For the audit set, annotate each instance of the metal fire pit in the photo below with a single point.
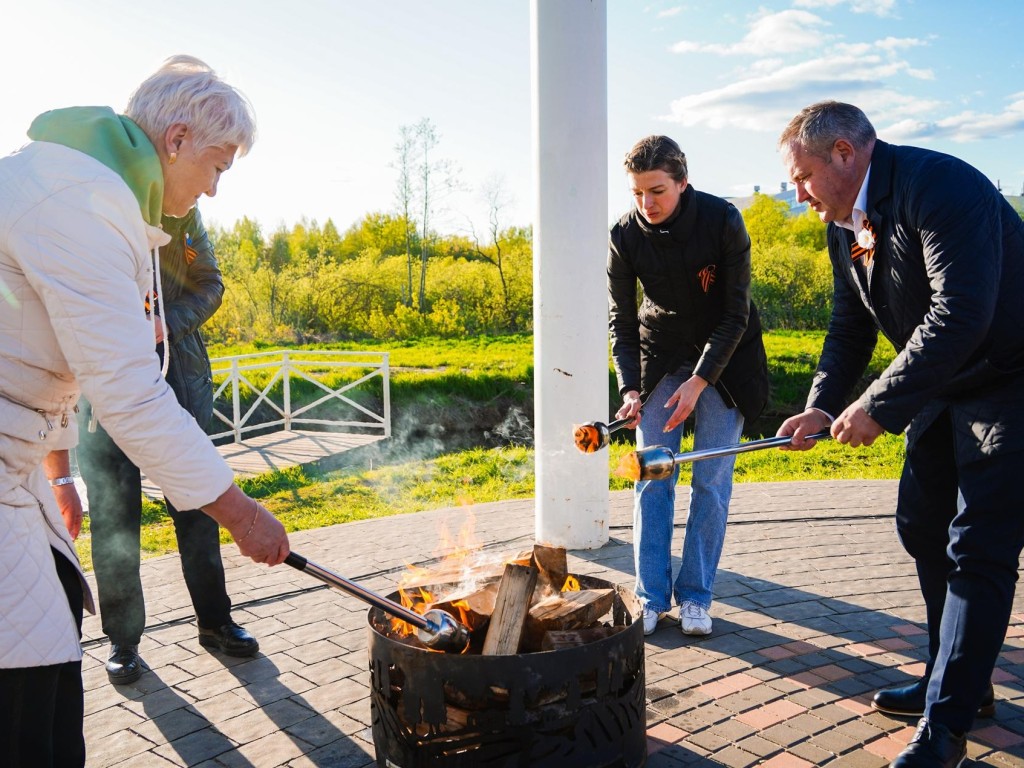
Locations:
(578, 707)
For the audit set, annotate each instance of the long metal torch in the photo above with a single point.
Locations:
(658, 462)
(436, 629)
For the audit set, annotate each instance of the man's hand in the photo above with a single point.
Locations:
(855, 428)
(684, 400)
(809, 422)
(630, 408)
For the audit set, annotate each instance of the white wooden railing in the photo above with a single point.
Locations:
(232, 376)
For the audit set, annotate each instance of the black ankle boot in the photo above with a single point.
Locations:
(124, 664)
(908, 701)
(230, 639)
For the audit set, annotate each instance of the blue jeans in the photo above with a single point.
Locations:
(715, 425)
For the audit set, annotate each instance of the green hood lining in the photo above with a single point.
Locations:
(114, 140)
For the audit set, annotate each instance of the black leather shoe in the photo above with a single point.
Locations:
(908, 701)
(933, 746)
(123, 665)
(230, 639)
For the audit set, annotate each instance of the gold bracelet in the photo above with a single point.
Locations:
(252, 524)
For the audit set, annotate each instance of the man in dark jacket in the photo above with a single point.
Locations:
(192, 289)
(926, 250)
(693, 346)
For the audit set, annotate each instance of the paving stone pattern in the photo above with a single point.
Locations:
(816, 606)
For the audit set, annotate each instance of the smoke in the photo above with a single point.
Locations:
(516, 428)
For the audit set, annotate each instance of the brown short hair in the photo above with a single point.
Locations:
(817, 127)
(656, 153)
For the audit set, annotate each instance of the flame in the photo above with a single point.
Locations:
(629, 466)
(586, 437)
(461, 614)
(572, 584)
(454, 566)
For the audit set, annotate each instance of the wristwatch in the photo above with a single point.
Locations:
(62, 481)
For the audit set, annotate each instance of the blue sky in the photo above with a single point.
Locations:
(333, 80)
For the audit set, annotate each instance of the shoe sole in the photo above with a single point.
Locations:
(124, 679)
(695, 634)
(209, 642)
(984, 711)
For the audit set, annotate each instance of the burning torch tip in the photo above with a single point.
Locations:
(629, 467)
(586, 437)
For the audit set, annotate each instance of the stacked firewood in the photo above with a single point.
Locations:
(530, 603)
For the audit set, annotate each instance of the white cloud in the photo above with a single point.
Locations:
(670, 12)
(767, 101)
(878, 7)
(770, 33)
(965, 127)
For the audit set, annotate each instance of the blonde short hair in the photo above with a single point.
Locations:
(186, 90)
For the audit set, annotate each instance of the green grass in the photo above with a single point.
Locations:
(440, 374)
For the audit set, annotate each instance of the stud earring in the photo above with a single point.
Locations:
(173, 158)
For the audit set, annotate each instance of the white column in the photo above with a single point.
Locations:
(570, 245)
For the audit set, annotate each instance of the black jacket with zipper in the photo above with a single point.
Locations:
(695, 314)
(192, 288)
(944, 285)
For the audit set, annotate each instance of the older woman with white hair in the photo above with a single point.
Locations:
(80, 208)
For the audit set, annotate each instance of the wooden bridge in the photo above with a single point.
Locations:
(284, 408)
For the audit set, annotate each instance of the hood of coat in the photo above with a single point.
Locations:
(114, 140)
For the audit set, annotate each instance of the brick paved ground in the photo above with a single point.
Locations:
(816, 607)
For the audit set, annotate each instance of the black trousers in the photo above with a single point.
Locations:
(41, 708)
(963, 524)
(115, 512)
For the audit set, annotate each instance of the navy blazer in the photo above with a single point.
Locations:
(945, 285)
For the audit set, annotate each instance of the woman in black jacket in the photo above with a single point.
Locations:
(693, 346)
(192, 289)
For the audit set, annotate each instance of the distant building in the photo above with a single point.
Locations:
(786, 194)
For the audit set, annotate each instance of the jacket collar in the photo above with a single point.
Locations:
(880, 183)
(681, 227)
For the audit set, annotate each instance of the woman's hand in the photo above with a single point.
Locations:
(684, 400)
(258, 534)
(70, 505)
(630, 408)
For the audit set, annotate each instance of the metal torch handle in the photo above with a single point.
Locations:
(619, 424)
(340, 582)
(752, 445)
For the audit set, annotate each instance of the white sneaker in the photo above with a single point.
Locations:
(693, 619)
(651, 617)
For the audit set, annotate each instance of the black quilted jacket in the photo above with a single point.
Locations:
(192, 292)
(946, 287)
(696, 314)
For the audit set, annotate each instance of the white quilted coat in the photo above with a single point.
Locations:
(75, 264)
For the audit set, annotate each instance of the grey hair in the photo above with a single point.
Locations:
(186, 90)
(817, 127)
(656, 153)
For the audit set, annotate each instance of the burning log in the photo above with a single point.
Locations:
(569, 610)
(472, 608)
(552, 566)
(515, 592)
